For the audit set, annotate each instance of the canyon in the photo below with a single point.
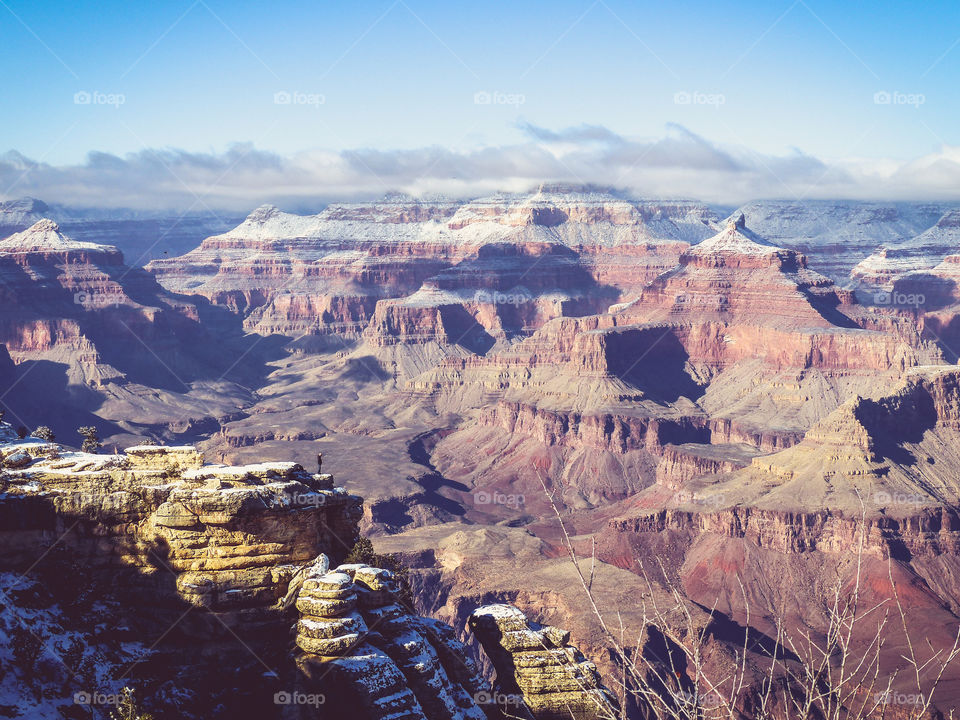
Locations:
(154, 531)
(743, 407)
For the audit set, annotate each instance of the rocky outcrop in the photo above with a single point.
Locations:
(74, 315)
(537, 666)
(369, 656)
(684, 462)
(140, 235)
(246, 544)
(225, 537)
(180, 560)
(243, 544)
(738, 278)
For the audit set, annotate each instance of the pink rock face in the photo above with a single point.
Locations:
(56, 285)
(86, 331)
(606, 399)
(512, 261)
(737, 278)
(50, 282)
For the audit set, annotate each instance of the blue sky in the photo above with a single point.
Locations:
(775, 78)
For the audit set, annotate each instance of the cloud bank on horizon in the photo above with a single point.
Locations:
(678, 164)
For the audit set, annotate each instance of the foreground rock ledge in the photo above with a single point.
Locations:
(249, 543)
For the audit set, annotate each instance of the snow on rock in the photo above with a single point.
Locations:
(735, 239)
(536, 664)
(268, 222)
(45, 236)
(837, 234)
(923, 252)
(362, 649)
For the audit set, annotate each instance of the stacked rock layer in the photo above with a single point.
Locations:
(538, 669)
(365, 653)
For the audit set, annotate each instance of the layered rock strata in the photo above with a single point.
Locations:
(924, 252)
(837, 235)
(537, 665)
(364, 652)
(221, 537)
(387, 270)
(176, 537)
(85, 331)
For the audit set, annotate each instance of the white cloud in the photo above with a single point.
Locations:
(679, 164)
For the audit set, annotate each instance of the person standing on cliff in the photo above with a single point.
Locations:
(319, 462)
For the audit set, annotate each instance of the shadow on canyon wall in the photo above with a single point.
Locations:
(130, 627)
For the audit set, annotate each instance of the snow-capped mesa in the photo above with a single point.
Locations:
(268, 222)
(835, 235)
(45, 236)
(923, 252)
(21, 213)
(611, 217)
(551, 213)
(739, 278)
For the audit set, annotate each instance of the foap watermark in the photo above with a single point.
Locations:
(700, 299)
(899, 299)
(896, 498)
(295, 97)
(496, 97)
(498, 698)
(895, 97)
(307, 499)
(80, 500)
(97, 698)
(701, 700)
(298, 698)
(707, 501)
(495, 297)
(892, 697)
(95, 97)
(498, 498)
(686, 97)
(98, 298)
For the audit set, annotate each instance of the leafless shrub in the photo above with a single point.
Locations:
(672, 672)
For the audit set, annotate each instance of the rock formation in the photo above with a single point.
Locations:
(538, 664)
(86, 331)
(882, 269)
(369, 656)
(187, 560)
(738, 333)
(245, 543)
(395, 266)
(140, 235)
(837, 235)
(226, 537)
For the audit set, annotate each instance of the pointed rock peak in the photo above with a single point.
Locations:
(44, 226)
(45, 235)
(263, 213)
(739, 223)
(736, 238)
